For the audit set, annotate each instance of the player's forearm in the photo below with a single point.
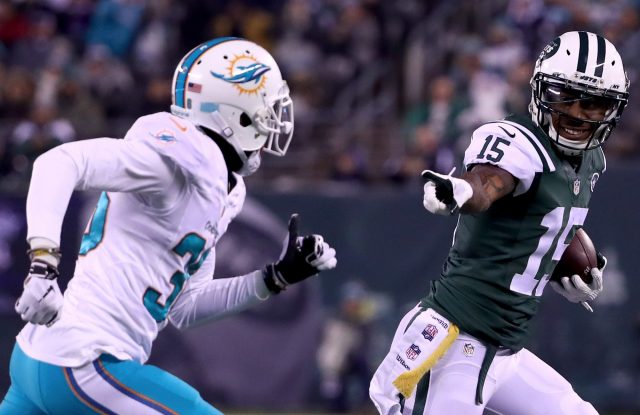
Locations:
(52, 182)
(489, 183)
(480, 201)
(219, 298)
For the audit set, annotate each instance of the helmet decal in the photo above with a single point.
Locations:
(187, 63)
(244, 70)
(193, 87)
(549, 50)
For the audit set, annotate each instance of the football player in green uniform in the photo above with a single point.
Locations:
(525, 190)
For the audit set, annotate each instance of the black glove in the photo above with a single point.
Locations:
(444, 195)
(302, 257)
(444, 187)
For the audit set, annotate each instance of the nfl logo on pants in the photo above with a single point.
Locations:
(413, 351)
(430, 332)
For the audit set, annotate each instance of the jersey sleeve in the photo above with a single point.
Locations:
(512, 148)
(97, 164)
(205, 298)
(159, 157)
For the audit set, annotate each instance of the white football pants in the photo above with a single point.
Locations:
(516, 384)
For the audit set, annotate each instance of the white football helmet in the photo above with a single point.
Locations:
(579, 66)
(234, 88)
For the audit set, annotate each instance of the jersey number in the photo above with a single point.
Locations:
(531, 282)
(95, 230)
(495, 153)
(192, 244)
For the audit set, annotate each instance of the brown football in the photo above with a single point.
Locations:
(579, 257)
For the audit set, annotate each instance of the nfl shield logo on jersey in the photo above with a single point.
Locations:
(576, 187)
(430, 332)
(413, 351)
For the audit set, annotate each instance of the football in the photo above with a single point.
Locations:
(579, 257)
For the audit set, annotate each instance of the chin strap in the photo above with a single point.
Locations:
(222, 127)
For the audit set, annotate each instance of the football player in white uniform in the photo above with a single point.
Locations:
(525, 191)
(169, 191)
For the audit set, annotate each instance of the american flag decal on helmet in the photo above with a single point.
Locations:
(193, 87)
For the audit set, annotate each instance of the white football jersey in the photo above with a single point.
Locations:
(165, 204)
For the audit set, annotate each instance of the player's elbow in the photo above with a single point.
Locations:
(45, 160)
(53, 162)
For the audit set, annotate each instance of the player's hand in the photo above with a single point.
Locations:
(41, 298)
(576, 290)
(444, 195)
(301, 258)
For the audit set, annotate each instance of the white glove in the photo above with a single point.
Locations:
(444, 195)
(576, 290)
(41, 299)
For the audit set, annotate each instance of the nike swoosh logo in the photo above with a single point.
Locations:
(180, 126)
(512, 135)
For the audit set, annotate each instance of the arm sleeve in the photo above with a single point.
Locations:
(97, 164)
(218, 298)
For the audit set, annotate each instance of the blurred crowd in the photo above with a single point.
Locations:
(382, 90)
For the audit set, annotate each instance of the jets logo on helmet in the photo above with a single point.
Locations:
(549, 50)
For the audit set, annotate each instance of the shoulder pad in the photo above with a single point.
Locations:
(180, 141)
(512, 147)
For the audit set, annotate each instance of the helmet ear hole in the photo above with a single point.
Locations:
(245, 120)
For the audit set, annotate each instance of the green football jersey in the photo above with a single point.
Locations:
(501, 259)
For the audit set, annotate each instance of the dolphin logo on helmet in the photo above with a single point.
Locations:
(240, 95)
(247, 73)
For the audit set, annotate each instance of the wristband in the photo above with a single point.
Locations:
(35, 252)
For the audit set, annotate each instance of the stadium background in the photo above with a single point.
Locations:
(382, 90)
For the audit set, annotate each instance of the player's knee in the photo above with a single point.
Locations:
(460, 388)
